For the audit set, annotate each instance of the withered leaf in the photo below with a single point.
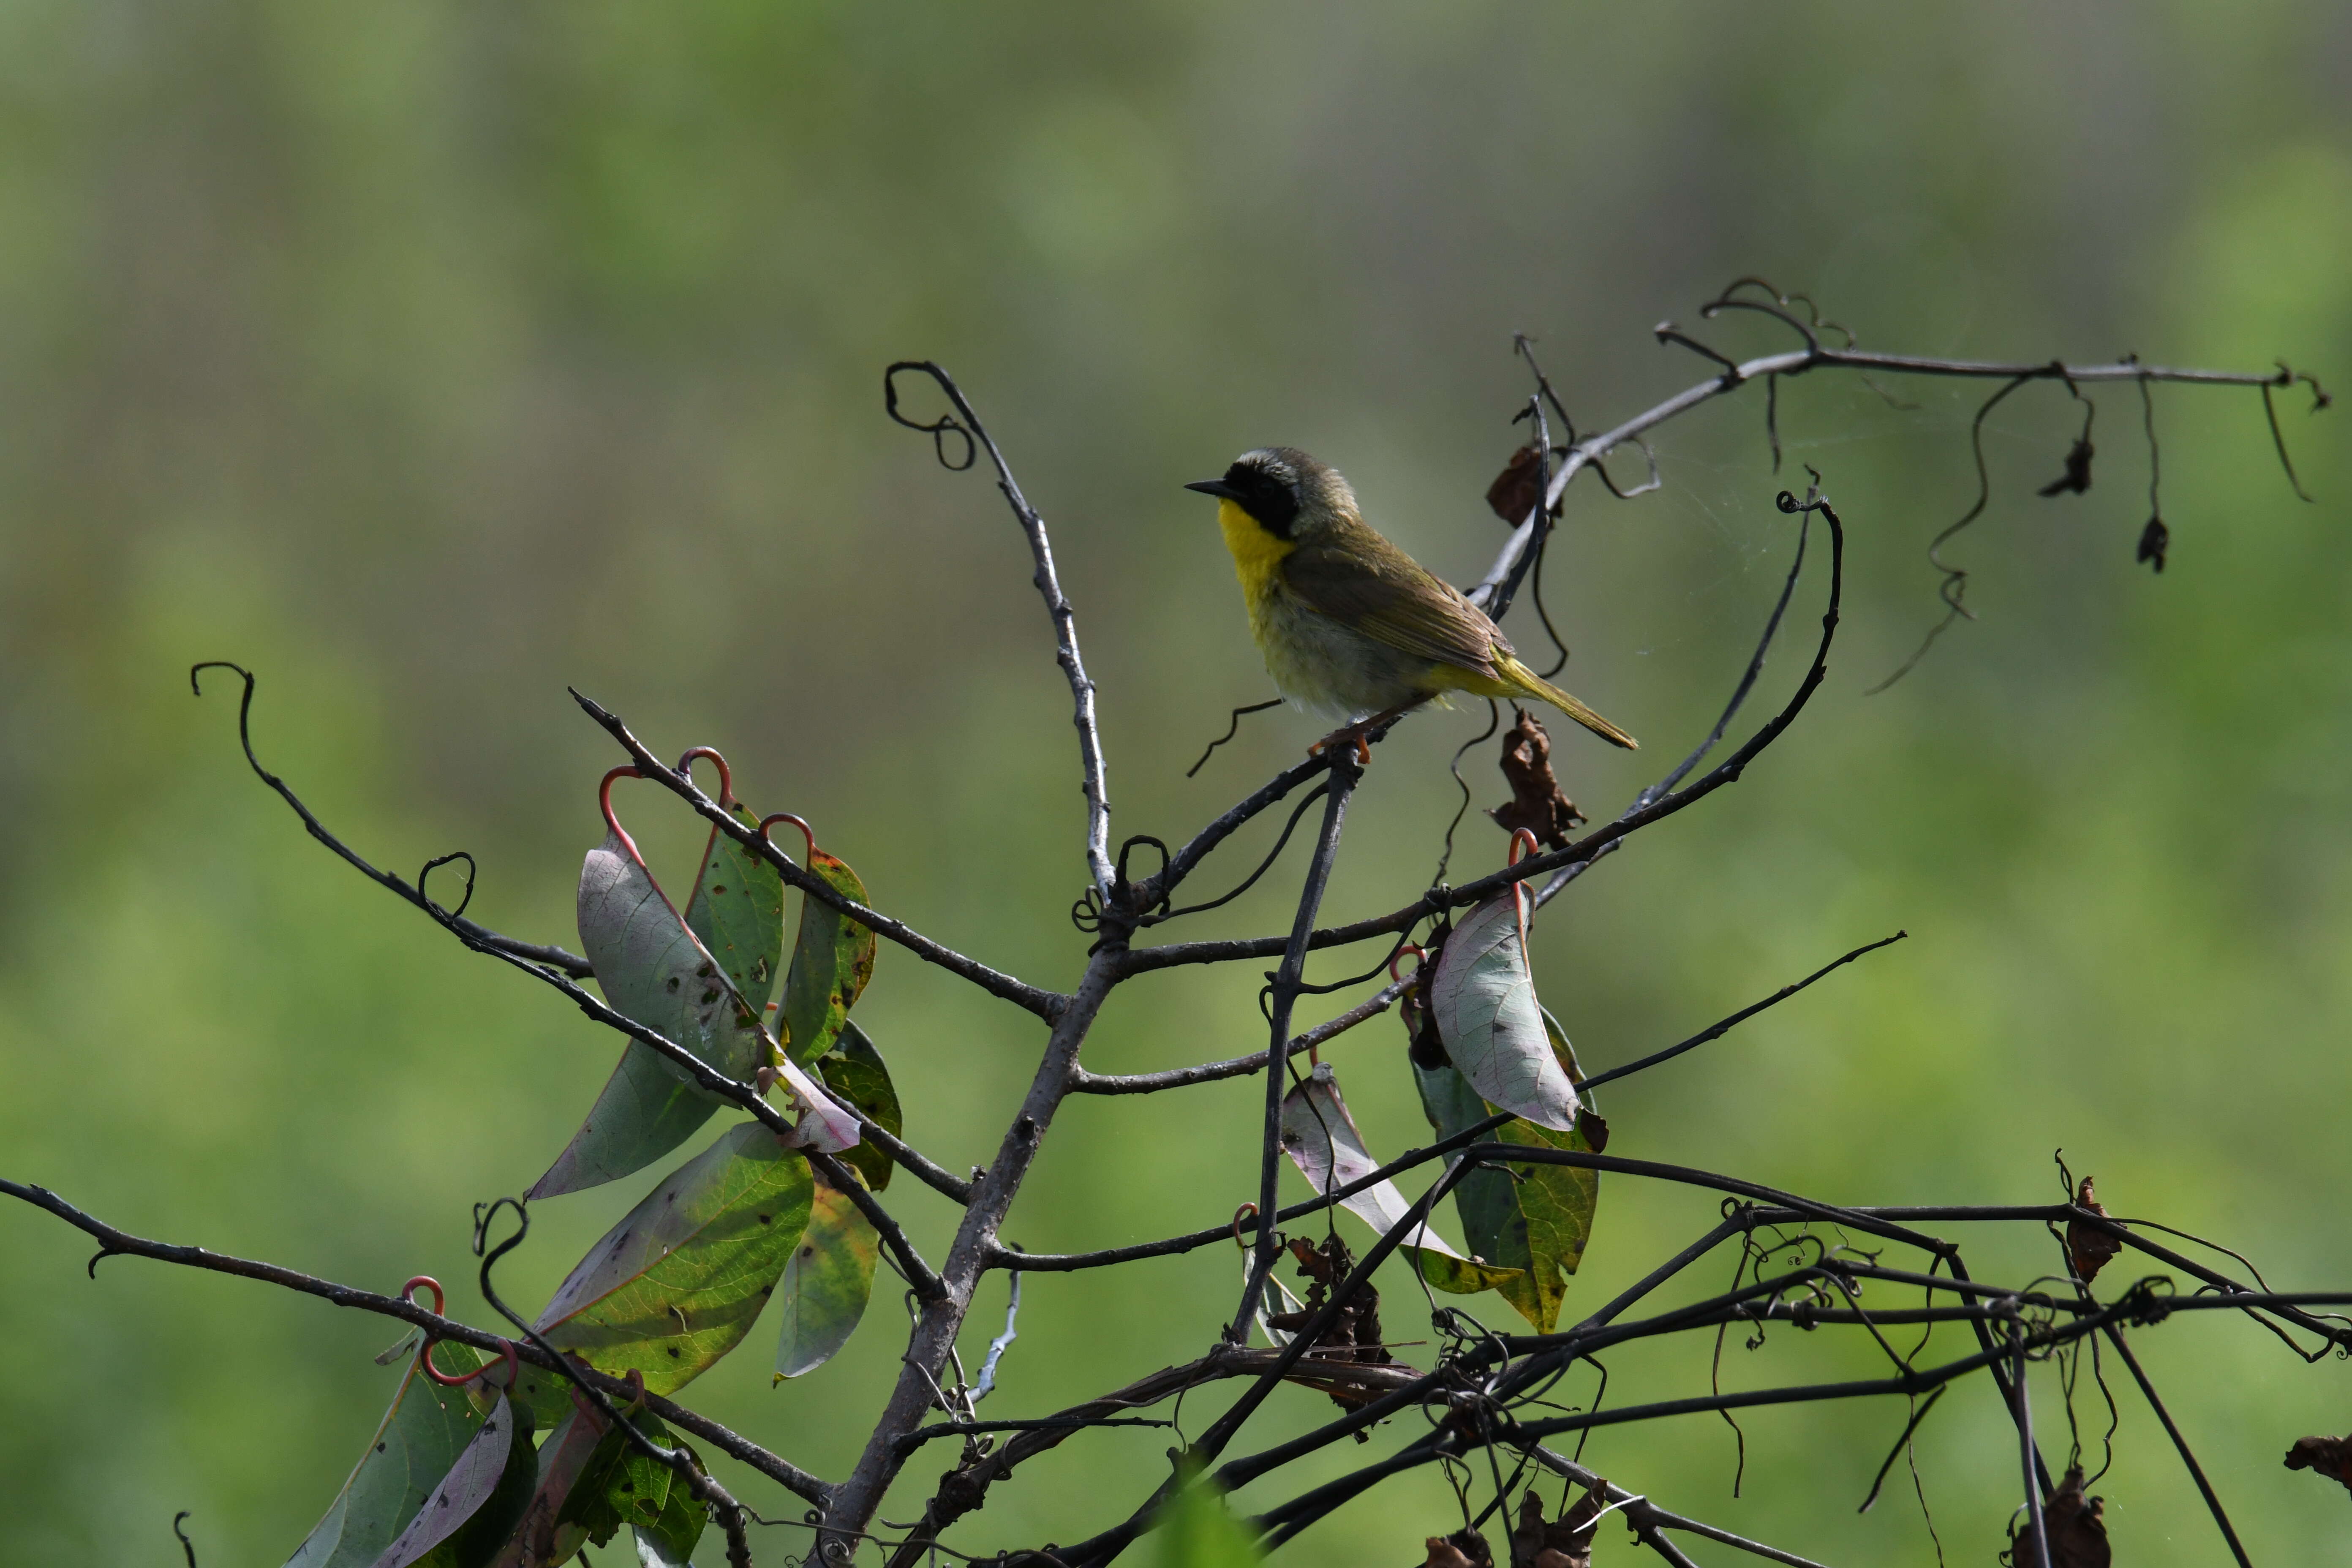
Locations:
(1517, 488)
(2076, 1528)
(2087, 1245)
(1595, 1128)
(1462, 1549)
(2076, 479)
(2330, 1457)
(1355, 1331)
(1566, 1544)
(1538, 803)
(2154, 541)
(1425, 1046)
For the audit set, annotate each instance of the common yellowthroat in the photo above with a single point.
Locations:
(1347, 622)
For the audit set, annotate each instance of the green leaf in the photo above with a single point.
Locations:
(645, 1112)
(1484, 1002)
(826, 1284)
(1532, 1219)
(479, 1503)
(415, 1446)
(1321, 1136)
(1196, 1531)
(621, 1485)
(855, 1072)
(655, 1550)
(655, 971)
(833, 958)
(546, 1534)
(667, 1540)
(737, 912)
(680, 1282)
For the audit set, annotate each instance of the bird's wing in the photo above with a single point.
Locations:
(1369, 584)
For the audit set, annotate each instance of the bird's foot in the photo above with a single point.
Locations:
(1359, 735)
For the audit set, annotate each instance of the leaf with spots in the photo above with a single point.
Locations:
(645, 1112)
(1535, 1219)
(479, 1502)
(1320, 1137)
(737, 912)
(415, 1444)
(622, 1485)
(680, 1282)
(855, 1072)
(548, 1533)
(1484, 1002)
(655, 971)
(826, 1285)
(833, 958)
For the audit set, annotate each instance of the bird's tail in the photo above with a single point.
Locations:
(1530, 684)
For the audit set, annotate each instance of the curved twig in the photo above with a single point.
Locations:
(532, 953)
(966, 423)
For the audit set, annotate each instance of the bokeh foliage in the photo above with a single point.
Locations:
(428, 357)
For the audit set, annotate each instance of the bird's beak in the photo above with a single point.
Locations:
(1217, 488)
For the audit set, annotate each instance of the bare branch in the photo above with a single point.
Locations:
(974, 1250)
(114, 1243)
(1797, 362)
(1372, 1006)
(1047, 1004)
(1717, 1030)
(1344, 774)
(966, 423)
(572, 963)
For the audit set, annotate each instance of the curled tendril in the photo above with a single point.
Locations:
(1667, 332)
(425, 874)
(1122, 884)
(808, 834)
(1779, 308)
(1155, 917)
(939, 429)
(186, 1545)
(1231, 729)
(726, 797)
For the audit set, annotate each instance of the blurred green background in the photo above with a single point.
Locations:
(429, 357)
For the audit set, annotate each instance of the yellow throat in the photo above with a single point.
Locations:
(1257, 555)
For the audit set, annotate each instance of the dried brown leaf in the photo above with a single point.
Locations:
(1517, 488)
(1462, 1549)
(1538, 803)
(2076, 1525)
(2087, 1245)
(2330, 1457)
(1565, 1543)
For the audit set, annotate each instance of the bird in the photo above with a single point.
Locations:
(1349, 623)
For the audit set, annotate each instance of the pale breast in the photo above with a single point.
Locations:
(1320, 663)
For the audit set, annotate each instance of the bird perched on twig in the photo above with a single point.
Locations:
(1348, 622)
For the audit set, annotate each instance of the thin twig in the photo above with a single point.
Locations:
(1047, 1004)
(1716, 1031)
(1287, 980)
(2187, 1455)
(1049, 586)
(116, 1243)
(571, 963)
(1372, 1006)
